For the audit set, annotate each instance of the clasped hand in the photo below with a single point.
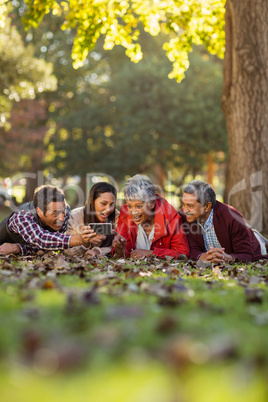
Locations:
(215, 254)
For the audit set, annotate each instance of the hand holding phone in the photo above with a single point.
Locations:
(87, 234)
(102, 228)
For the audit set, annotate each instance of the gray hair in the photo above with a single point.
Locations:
(139, 188)
(203, 191)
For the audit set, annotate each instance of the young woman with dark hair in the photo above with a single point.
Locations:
(99, 208)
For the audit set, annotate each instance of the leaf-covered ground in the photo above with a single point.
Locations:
(132, 331)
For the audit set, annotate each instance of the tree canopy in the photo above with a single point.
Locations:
(103, 111)
(22, 76)
(117, 21)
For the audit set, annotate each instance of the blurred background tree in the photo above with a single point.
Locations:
(115, 116)
(191, 23)
(23, 80)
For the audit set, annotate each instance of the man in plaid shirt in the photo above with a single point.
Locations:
(38, 225)
(217, 232)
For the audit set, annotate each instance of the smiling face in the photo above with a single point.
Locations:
(193, 209)
(141, 211)
(104, 205)
(54, 216)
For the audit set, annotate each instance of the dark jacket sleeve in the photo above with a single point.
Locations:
(194, 236)
(196, 248)
(240, 239)
(234, 235)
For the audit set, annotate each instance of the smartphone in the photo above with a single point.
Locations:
(102, 228)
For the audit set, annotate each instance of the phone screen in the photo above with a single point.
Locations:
(102, 228)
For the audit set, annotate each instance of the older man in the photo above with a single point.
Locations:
(39, 224)
(216, 232)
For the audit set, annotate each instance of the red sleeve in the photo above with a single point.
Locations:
(123, 230)
(175, 243)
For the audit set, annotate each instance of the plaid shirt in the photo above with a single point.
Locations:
(25, 224)
(210, 238)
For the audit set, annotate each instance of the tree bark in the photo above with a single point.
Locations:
(245, 105)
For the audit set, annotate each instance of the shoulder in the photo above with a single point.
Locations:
(22, 218)
(125, 217)
(229, 214)
(169, 212)
(123, 210)
(225, 209)
(22, 214)
(77, 213)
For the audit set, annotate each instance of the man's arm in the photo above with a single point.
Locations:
(239, 235)
(10, 248)
(28, 249)
(24, 223)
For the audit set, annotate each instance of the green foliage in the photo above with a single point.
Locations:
(22, 76)
(118, 117)
(154, 120)
(139, 117)
(191, 21)
(104, 322)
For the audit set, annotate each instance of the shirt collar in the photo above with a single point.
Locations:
(208, 223)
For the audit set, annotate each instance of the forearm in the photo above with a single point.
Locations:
(43, 239)
(163, 252)
(10, 248)
(76, 240)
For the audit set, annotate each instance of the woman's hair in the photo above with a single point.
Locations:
(94, 193)
(139, 188)
(203, 191)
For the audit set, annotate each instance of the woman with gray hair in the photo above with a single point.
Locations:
(148, 224)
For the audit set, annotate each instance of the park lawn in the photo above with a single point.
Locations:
(151, 330)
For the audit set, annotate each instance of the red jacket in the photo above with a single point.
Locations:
(231, 230)
(169, 237)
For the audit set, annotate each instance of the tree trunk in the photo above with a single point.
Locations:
(245, 104)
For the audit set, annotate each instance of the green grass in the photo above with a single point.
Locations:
(73, 330)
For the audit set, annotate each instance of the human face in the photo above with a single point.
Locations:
(141, 212)
(193, 209)
(54, 216)
(104, 205)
